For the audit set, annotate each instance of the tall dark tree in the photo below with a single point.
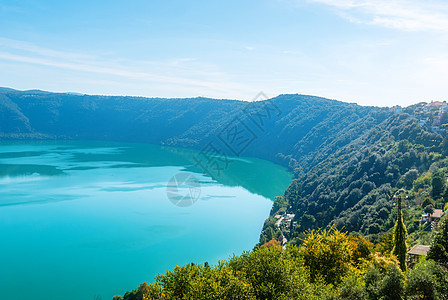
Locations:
(400, 235)
(438, 184)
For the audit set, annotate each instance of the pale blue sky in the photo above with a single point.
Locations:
(373, 52)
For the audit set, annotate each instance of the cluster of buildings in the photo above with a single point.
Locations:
(417, 251)
(283, 224)
(436, 105)
(429, 114)
(438, 109)
(284, 220)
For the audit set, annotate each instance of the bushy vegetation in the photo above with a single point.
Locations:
(329, 264)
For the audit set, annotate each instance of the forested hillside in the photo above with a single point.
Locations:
(285, 129)
(352, 186)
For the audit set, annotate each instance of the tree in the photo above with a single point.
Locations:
(429, 209)
(271, 243)
(439, 246)
(307, 221)
(352, 287)
(392, 285)
(384, 283)
(272, 272)
(427, 201)
(327, 254)
(444, 145)
(438, 183)
(387, 244)
(361, 248)
(444, 118)
(408, 179)
(421, 283)
(400, 235)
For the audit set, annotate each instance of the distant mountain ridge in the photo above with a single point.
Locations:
(191, 123)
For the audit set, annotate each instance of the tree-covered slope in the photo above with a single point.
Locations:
(351, 188)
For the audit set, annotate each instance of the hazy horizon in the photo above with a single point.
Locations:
(256, 98)
(368, 52)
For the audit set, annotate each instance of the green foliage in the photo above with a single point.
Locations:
(400, 236)
(392, 285)
(352, 287)
(198, 282)
(386, 245)
(428, 209)
(422, 181)
(272, 272)
(316, 270)
(384, 284)
(307, 222)
(407, 180)
(439, 247)
(444, 145)
(428, 280)
(438, 183)
(279, 206)
(327, 254)
(421, 282)
(361, 249)
(351, 187)
(329, 265)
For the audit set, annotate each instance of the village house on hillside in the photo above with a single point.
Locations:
(432, 218)
(416, 252)
(435, 216)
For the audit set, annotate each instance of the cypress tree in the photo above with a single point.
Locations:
(400, 235)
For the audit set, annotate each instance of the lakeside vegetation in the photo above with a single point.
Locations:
(329, 264)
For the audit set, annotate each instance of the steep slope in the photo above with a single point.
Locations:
(352, 187)
(13, 120)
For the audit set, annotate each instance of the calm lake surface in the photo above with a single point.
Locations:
(89, 220)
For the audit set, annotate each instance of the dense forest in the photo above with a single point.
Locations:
(331, 233)
(351, 188)
(284, 129)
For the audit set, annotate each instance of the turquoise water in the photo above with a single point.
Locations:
(89, 220)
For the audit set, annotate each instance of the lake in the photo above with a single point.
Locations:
(89, 220)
